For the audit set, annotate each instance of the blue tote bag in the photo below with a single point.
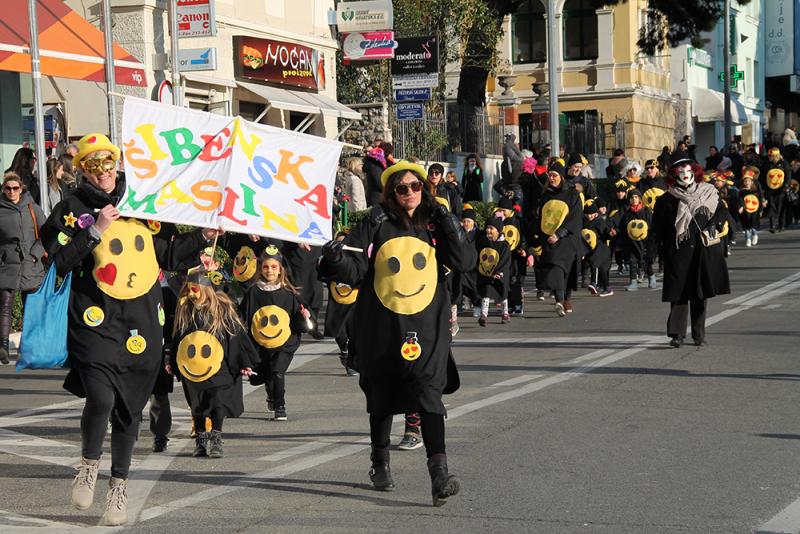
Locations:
(44, 329)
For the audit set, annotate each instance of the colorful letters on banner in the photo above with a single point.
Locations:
(191, 167)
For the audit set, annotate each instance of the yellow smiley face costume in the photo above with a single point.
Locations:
(125, 260)
(405, 275)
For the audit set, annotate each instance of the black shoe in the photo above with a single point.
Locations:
(676, 342)
(4, 352)
(443, 484)
(316, 334)
(700, 342)
(160, 443)
(200, 443)
(772, 230)
(214, 444)
(381, 474)
(280, 414)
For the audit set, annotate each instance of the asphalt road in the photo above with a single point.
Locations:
(589, 423)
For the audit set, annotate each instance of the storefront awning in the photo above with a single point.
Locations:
(709, 106)
(69, 45)
(302, 102)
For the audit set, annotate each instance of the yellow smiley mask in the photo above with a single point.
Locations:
(343, 294)
(554, 213)
(244, 264)
(270, 326)
(511, 234)
(125, 260)
(405, 275)
(487, 261)
(637, 229)
(199, 356)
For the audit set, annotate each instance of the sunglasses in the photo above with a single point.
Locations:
(11, 188)
(435, 172)
(402, 189)
(99, 165)
(650, 167)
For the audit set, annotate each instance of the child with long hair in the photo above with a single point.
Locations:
(272, 311)
(211, 351)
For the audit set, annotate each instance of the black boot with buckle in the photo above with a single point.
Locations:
(443, 484)
(381, 474)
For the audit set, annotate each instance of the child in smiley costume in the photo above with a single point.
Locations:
(401, 319)
(115, 314)
(211, 350)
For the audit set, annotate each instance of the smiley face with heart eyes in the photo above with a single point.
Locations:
(125, 265)
(271, 326)
(405, 275)
(751, 203)
(199, 356)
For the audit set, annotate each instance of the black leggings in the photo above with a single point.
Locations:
(100, 406)
(380, 428)
(6, 309)
(276, 389)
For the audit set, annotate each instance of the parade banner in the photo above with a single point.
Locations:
(191, 167)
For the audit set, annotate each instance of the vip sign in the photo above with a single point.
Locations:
(365, 16)
(196, 18)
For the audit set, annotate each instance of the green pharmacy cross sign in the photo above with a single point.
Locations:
(736, 76)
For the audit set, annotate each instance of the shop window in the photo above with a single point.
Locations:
(529, 31)
(580, 30)
(250, 110)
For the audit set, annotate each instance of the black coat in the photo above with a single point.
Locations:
(21, 253)
(116, 314)
(372, 175)
(774, 188)
(599, 255)
(691, 271)
(450, 192)
(494, 258)
(560, 261)
(751, 201)
(472, 182)
(274, 322)
(211, 392)
(636, 235)
(401, 319)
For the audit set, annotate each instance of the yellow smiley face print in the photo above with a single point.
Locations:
(637, 229)
(405, 275)
(487, 261)
(343, 294)
(511, 234)
(199, 356)
(775, 178)
(244, 264)
(136, 344)
(751, 203)
(725, 230)
(554, 213)
(271, 326)
(411, 350)
(125, 265)
(650, 196)
(590, 237)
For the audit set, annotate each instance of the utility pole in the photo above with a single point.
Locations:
(111, 82)
(38, 115)
(726, 52)
(176, 64)
(552, 73)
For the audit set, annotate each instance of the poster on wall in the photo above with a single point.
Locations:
(192, 167)
(365, 15)
(368, 45)
(278, 62)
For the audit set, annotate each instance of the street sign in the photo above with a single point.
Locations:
(413, 95)
(736, 76)
(192, 59)
(416, 55)
(196, 18)
(407, 112)
(415, 81)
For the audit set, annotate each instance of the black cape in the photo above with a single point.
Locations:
(273, 321)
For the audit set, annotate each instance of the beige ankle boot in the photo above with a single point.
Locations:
(83, 485)
(117, 505)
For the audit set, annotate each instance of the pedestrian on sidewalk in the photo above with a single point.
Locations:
(21, 252)
(685, 220)
(402, 339)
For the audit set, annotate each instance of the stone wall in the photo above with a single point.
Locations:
(374, 123)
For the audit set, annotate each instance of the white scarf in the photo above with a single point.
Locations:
(697, 198)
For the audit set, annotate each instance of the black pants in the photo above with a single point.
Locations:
(679, 313)
(380, 428)
(638, 265)
(776, 216)
(100, 406)
(216, 421)
(562, 295)
(276, 389)
(6, 309)
(160, 415)
(600, 277)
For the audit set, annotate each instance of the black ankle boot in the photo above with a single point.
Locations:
(381, 474)
(443, 484)
(4, 351)
(200, 444)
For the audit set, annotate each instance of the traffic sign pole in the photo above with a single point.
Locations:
(176, 62)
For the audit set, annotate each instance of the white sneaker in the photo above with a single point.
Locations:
(755, 239)
(748, 243)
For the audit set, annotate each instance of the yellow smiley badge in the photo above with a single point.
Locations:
(63, 239)
(216, 277)
(93, 316)
(70, 220)
(136, 343)
(411, 349)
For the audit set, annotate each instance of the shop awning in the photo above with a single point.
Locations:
(709, 106)
(299, 101)
(69, 45)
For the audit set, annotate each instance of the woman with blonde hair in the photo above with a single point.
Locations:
(354, 185)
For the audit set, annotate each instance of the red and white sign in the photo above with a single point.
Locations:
(368, 45)
(196, 18)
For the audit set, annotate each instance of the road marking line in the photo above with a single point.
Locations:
(771, 306)
(785, 522)
(591, 355)
(514, 381)
(294, 451)
(346, 450)
(767, 288)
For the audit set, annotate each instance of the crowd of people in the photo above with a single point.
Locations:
(150, 304)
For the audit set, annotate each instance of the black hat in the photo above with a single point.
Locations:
(621, 185)
(557, 166)
(633, 192)
(600, 203)
(272, 253)
(651, 163)
(436, 167)
(573, 159)
(590, 207)
(679, 158)
(469, 214)
(199, 275)
(497, 222)
(505, 203)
